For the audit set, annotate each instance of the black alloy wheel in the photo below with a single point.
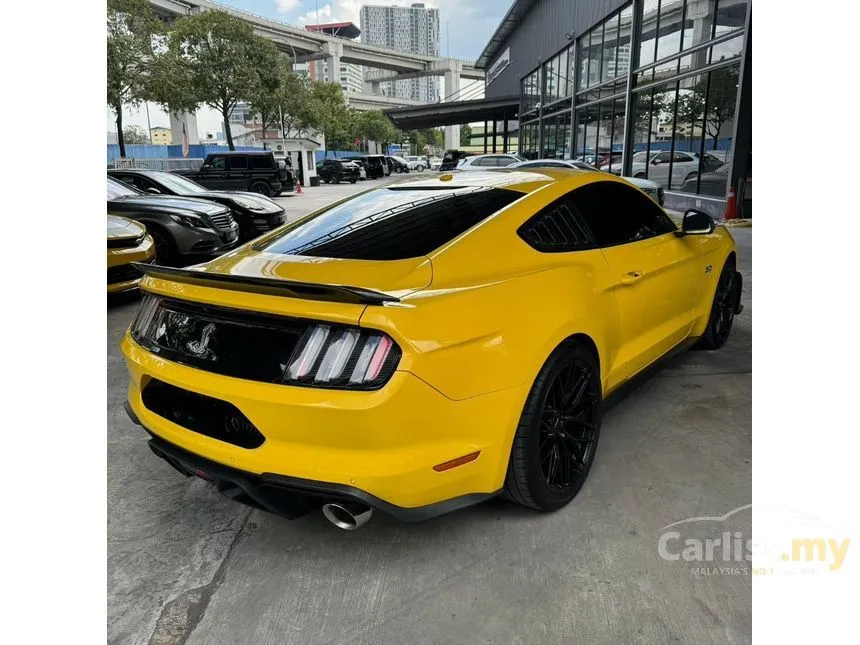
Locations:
(262, 188)
(726, 298)
(556, 440)
(163, 247)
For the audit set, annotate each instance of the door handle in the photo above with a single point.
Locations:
(630, 278)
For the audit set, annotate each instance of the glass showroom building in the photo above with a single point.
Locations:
(651, 88)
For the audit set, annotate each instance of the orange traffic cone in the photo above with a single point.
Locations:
(299, 188)
(731, 206)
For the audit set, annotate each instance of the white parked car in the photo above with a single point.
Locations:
(685, 165)
(651, 188)
(483, 162)
(416, 163)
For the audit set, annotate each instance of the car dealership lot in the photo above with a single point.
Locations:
(186, 565)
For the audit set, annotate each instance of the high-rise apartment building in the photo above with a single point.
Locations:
(412, 29)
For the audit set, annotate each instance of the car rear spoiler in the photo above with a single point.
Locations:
(267, 286)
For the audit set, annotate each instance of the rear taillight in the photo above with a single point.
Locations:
(342, 357)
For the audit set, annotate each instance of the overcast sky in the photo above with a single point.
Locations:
(470, 23)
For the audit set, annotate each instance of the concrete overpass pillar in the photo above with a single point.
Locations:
(190, 121)
(452, 87)
(333, 53)
(375, 87)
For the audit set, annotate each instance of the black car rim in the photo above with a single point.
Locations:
(568, 426)
(162, 248)
(725, 305)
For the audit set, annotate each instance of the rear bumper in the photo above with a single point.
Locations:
(378, 447)
(290, 497)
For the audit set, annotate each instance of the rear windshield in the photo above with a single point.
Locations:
(391, 223)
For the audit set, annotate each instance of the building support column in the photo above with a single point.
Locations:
(494, 135)
(333, 52)
(452, 87)
(505, 136)
(629, 104)
(742, 134)
(485, 136)
(190, 121)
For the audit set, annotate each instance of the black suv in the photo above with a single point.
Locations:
(333, 171)
(257, 172)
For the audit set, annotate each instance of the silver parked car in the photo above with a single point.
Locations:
(651, 188)
(655, 166)
(483, 162)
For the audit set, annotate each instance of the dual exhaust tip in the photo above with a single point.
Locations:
(347, 515)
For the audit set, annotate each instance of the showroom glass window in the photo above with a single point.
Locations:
(685, 89)
(599, 118)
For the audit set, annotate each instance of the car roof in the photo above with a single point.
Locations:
(524, 180)
(231, 153)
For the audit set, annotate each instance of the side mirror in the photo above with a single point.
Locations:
(206, 166)
(152, 190)
(697, 222)
(656, 162)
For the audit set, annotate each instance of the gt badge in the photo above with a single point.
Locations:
(708, 269)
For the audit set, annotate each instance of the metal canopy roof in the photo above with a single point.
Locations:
(342, 29)
(454, 113)
(510, 22)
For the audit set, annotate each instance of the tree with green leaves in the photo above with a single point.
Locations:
(135, 134)
(224, 60)
(169, 84)
(373, 125)
(465, 135)
(272, 67)
(295, 106)
(131, 25)
(332, 116)
(722, 94)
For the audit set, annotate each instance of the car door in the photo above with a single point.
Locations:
(683, 166)
(213, 174)
(239, 177)
(658, 275)
(658, 168)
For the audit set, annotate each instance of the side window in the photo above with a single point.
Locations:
(557, 228)
(682, 157)
(133, 180)
(260, 162)
(239, 163)
(663, 157)
(619, 214)
(484, 162)
(218, 163)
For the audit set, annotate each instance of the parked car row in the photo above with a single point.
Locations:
(355, 167)
(166, 218)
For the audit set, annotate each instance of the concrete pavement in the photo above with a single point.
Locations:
(188, 566)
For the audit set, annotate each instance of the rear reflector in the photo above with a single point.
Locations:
(459, 461)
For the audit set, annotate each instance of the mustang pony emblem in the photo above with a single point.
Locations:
(201, 347)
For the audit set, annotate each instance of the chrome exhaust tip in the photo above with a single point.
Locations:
(347, 515)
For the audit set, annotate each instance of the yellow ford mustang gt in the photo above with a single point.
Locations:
(421, 347)
(127, 242)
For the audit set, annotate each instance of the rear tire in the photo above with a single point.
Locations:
(722, 310)
(556, 439)
(353, 180)
(262, 188)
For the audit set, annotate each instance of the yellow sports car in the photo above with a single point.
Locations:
(421, 347)
(127, 242)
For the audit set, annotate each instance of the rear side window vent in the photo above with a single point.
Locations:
(557, 229)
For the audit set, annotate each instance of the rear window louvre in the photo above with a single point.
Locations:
(391, 224)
